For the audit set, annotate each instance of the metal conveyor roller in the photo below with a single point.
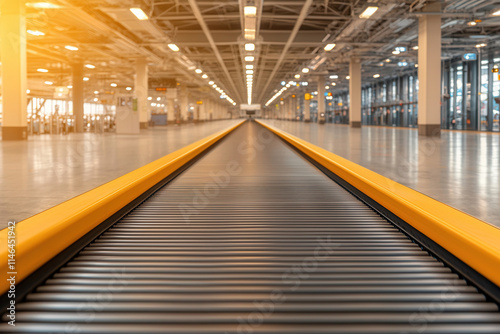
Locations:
(254, 239)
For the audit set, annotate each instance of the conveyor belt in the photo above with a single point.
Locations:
(254, 239)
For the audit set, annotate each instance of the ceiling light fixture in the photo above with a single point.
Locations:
(71, 48)
(249, 47)
(369, 11)
(42, 5)
(249, 58)
(35, 33)
(90, 66)
(139, 13)
(250, 11)
(173, 47)
(329, 47)
(42, 70)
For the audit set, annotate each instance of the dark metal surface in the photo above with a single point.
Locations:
(253, 239)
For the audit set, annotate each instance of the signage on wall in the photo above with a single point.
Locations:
(470, 56)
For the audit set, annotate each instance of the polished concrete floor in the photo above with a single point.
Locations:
(49, 169)
(461, 169)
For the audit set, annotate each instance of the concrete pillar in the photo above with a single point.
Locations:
(355, 92)
(184, 102)
(78, 96)
(289, 108)
(321, 100)
(429, 71)
(294, 107)
(307, 110)
(217, 110)
(14, 75)
(170, 111)
(141, 91)
(201, 111)
(207, 104)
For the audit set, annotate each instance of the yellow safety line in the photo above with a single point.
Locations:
(41, 237)
(473, 241)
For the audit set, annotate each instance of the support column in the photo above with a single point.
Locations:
(202, 111)
(184, 103)
(78, 96)
(321, 100)
(141, 91)
(209, 110)
(355, 92)
(307, 109)
(285, 109)
(217, 110)
(170, 111)
(294, 107)
(429, 65)
(14, 75)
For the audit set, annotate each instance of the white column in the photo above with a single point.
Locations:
(321, 100)
(307, 109)
(294, 107)
(355, 92)
(289, 108)
(78, 96)
(217, 110)
(202, 110)
(14, 75)
(429, 72)
(183, 102)
(141, 91)
(170, 111)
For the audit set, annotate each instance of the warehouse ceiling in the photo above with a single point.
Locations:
(211, 36)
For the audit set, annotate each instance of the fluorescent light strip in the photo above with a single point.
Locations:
(139, 13)
(249, 47)
(173, 47)
(250, 11)
(329, 47)
(369, 11)
(35, 33)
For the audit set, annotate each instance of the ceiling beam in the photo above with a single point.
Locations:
(206, 30)
(291, 38)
